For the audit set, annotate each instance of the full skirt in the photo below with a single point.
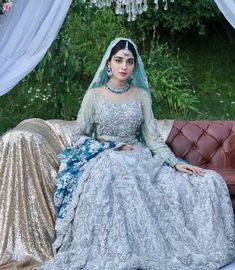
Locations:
(132, 211)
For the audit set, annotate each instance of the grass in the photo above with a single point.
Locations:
(212, 59)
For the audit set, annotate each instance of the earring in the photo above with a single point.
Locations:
(109, 72)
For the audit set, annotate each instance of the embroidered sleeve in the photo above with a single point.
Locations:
(85, 117)
(151, 135)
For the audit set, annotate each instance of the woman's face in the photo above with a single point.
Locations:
(122, 66)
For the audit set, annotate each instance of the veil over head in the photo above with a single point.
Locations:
(139, 78)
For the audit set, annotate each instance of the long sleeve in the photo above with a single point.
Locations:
(151, 135)
(85, 117)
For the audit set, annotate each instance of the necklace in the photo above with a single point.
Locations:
(118, 89)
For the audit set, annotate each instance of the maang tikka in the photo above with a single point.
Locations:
(126, 50)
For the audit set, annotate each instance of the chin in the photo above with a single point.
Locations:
(123, 79)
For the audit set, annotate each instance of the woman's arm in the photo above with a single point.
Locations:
(85, 117)
(151, 135)
(155, 142)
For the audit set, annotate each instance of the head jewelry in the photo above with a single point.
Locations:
(126, 50)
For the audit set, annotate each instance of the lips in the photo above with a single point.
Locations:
(123, 73)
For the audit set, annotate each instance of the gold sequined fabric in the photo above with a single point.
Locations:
(28, 169)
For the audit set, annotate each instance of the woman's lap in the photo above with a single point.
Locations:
(134, 207)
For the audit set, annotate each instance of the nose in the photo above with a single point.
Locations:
(124, 65)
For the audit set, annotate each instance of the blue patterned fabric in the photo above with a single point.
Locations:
(73, 161)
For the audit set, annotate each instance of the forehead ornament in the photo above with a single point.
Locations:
(126, 50)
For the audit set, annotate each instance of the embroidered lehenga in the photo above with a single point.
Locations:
(126, 210)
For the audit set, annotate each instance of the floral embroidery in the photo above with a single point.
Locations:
(73, 161)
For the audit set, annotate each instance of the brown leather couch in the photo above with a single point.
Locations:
(208, 144)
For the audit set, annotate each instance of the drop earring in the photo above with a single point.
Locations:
(109, 72)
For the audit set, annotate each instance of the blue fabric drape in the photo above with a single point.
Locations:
(73, 160)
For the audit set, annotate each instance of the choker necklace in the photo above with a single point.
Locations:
(118, 89)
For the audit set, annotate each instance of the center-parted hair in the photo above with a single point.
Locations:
(120, 46)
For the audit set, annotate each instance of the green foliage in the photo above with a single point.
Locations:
(169, 81)
(171, 24)
(92, 30)
(212, 75)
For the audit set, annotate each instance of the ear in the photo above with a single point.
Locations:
(108, 63)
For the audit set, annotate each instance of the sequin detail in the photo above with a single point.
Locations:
(126, 116)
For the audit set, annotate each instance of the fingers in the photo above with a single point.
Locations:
(187, 168)
(126, 147)
(199, 170)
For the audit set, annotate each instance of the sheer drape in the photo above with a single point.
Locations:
(26, 33)
(227, 7)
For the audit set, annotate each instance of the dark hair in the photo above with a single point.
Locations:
(120, 46)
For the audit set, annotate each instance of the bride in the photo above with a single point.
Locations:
(123, 200)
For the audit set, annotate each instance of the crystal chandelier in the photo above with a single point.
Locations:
(131, 7)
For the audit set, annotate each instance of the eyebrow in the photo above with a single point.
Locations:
(119, 57)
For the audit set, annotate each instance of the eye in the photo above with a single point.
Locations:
(130, 62)
(118, 61)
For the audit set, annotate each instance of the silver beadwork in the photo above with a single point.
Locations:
(109, 72)
(117, 89)
(127, 116)
(126, 50)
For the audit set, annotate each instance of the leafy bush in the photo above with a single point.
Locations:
(169, 80)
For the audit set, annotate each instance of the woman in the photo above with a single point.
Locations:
(123, 200)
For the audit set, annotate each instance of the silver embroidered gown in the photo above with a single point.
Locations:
(132, 210)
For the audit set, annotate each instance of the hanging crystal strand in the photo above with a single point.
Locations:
(118, 9)
(95, 2)
(166, 4)
(98, 3)
(101, 4)
(104, 3)
(145, 6)
(108, 3)
(131, 7)
(124, 5)
(133, 10)
(156, 4)
(128, 11)
(139, 9)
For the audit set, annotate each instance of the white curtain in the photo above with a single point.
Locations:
(26, 33)
(227, 7)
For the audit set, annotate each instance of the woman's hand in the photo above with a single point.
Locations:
(187, 168)
(125, 147)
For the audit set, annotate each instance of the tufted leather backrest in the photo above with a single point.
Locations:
(204, 142)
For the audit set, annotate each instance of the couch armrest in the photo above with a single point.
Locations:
(231, 145)
(29, 164)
